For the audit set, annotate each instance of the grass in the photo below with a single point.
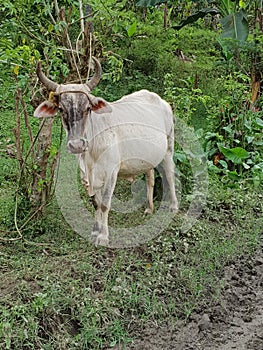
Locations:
(61, 293)
(57, 291)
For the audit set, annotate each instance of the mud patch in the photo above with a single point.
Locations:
(233, 321)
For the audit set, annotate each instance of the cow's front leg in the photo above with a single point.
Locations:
(100, 230)
(102, 216)
(84, 174)
(96, 202)
(102, 237)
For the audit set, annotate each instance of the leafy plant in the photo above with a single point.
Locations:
(185, 100)
(235, 26)
(236, 143)
(196, 16)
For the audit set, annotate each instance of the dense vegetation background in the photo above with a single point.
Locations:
(205, 59)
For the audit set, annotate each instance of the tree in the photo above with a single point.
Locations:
(63, 38)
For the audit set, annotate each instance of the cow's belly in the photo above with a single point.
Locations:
(130, 152)
(141, 155)
(130, 168)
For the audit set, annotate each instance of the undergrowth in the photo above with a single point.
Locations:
(57, 290)
(60, 292)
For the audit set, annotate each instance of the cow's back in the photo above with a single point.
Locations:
(140, 111)
(133, 137)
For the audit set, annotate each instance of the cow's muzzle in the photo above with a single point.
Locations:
(77, 146)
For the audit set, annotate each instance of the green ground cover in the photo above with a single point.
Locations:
(57, 291)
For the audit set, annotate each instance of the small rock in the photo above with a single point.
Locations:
(204, 322)
(193, 317)
(258, 261)
(247, 318)
(235, 277)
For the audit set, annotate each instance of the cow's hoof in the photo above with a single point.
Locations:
(94, 235)
(164, 206)
(102, 240)
(148, 211)
(173, 208)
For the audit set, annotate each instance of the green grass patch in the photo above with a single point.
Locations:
(61, 292)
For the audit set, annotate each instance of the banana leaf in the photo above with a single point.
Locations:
(193, 18)
(235, 26)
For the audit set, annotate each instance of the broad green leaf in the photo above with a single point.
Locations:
(236, 155)
(249, 139)
(214, 168)
(132, 29)
(259, 122)
(228, 129)
(225, 48)
(223, 163)
(235, 26)
(233, 175)
(193, 18)
(179, 156)
(210, 135)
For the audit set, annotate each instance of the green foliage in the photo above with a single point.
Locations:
(125, 33)
(239, 137)
(225, 126)
(236, 154)
(131, 30)
(228, 7)
(65, 295)
(235, 26)
(196, 16)
(60, 295)
(113, 18)
(185, 100)
(113, 68)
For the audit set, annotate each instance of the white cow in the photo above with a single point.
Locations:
(121, 139)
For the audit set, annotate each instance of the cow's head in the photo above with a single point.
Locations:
(75, 103)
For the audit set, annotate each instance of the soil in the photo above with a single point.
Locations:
(234, 321)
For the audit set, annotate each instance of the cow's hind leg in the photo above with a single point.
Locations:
(168, 165)
(149, 185)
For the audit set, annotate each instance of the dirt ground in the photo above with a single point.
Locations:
(234, 321)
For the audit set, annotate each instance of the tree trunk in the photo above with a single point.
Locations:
(165, 12)
(41, 179)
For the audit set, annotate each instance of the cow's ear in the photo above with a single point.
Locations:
(46, 109)
(99, 105)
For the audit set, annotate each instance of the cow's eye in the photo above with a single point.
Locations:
(62, 111)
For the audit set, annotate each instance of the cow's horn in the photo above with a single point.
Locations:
(93, 82)
(49, 84)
